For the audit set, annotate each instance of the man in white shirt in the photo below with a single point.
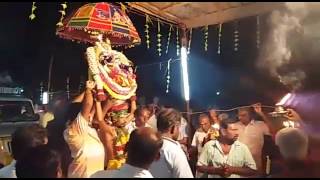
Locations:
(251, 133)
(23, 139)
(201, 133)
(87, 149)
(173, 162)
(143, 148)
(226, 157)
(198, 137)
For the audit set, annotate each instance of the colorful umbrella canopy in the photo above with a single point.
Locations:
(100, 18)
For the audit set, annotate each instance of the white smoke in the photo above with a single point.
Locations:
(276, 52)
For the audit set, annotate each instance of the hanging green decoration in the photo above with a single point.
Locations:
(32, 15)
(219, 38)
(178, 43)
(168, 76)
(189, 43)
(148, 20)
(236, 37)
(159, 39)
(169, 36)
(206, 33)
(63, 13)
(258, 32)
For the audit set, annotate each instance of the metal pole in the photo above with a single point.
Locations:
(50, 70)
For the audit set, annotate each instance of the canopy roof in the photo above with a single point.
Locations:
(196, 14)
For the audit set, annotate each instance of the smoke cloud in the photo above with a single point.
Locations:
(277, 53)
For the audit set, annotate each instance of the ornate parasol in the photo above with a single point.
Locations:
(100, 18)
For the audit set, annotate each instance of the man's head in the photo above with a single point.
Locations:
(168, 121)
(73, 110)
(244, 115)
(293, 143)
(27, 137)
(143, 147)
(59, 105)
(213, 115)
(204, 122)
(39, 162)
(142, 115)
(229, 130)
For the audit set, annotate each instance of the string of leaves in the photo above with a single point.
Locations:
(159, 39)
(236, 37)
(189, 43)
(32, 15)
(258, 32)
(147, 31)
(178, 42)
(169, 37)
(206, 34)
(219, 38)
(63, 13)
(168, 76)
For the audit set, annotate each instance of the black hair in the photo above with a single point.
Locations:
(166, 118)
(203, 115)
(225, 122)
(27, 137)
(73, 111)
(39, 162)
(139, 110)
(142, 148)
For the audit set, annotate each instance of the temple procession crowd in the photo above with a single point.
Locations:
(87, 138)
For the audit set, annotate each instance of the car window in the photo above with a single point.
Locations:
(16, 111)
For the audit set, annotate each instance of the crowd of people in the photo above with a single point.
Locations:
(82, 140)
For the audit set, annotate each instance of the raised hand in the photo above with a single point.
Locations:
(293, 115)
(90, 85)
(257, 108)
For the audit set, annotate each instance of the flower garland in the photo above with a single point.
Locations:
(168, 42)
(63, 13)
(206, 33)
(219, 38)
(34, 7)
(159, 39)
(148, 20)
(189, 43)
(178, 45)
